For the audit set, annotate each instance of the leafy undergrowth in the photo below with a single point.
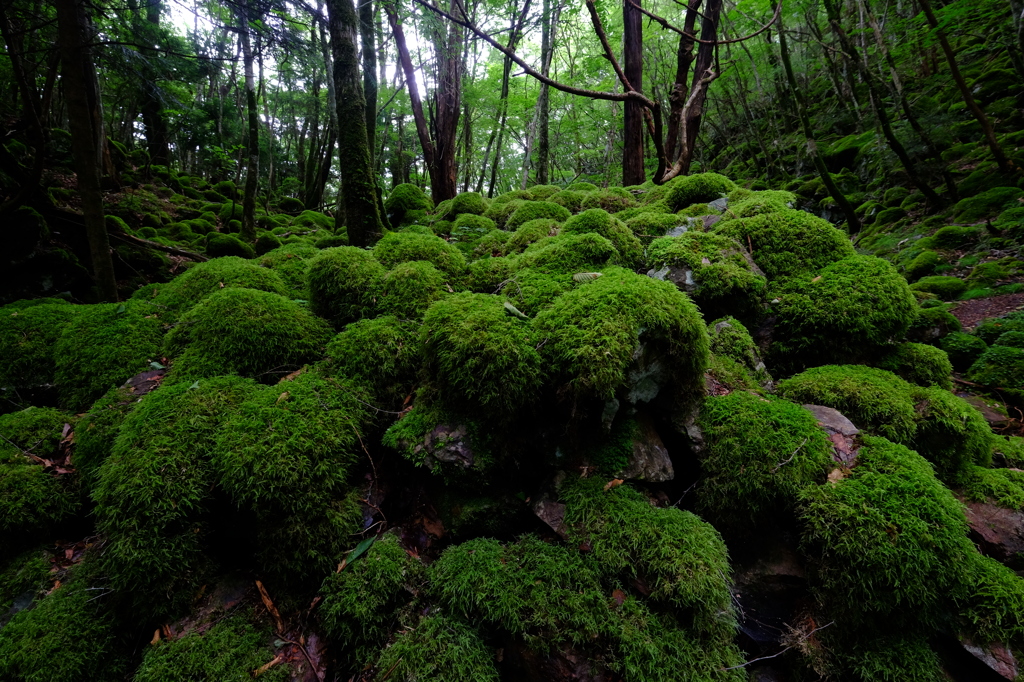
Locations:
(506, 443)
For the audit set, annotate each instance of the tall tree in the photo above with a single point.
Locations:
(252, 166)
(633, 118)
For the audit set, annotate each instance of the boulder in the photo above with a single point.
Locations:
(650, 461)
(998, 532)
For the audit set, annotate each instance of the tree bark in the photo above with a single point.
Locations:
(360, 190)
(633, 118)
(86, 122)
(702, 72)
(549, 20)
(153, 119)
(252, 165)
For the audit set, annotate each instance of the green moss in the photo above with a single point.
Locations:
(696, 211)
(594, 334)
(343, 282)
(698, 188)
(987, 273)
(21, 574)
(290, 262)
(96, 431)
(1004, 487)
(952, 237)
(851, 310)
(571, 199)
(951, 433)
(542, 192)
(889, 657)
(963, 349)
(919, 364)
(220, 244)
(946, 288)
(1014, 339)
(1011, 221)
(500, 211)
(487, 274)
(28, 335)
(1001, 366)
(230, 211)
(535, 210)
(404, 200)
(599, 221)
(359, 602)
(479, 355)
(530, 232)
(789, 242)
(761, 452)
(569, 253)
(992, 603)
(731, 341)
(932, 323)
(408, 289)
(400, 247)
(581, 187)
(894, 196)
(889, 216)
(611, 199)
(532, 290)
(923, 264)
(889, 539)
(991, 329)
(313, 220)
(761, 203)
(725, 280)
(469, 227)
(247, 332)
(438, 649)
(230, 650)
(105, 345)
(67, 636)
(654, 224)
(988, 204)
(202, 279)
(383, 353)
(466, 202)
(154, 489)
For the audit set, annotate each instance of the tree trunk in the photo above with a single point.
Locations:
(153, 119)
(360, 190)
(252, 165)
(85, 119)
(702, 72)
(447, 96)
(632, 123)
(548, 22)
(677, 98)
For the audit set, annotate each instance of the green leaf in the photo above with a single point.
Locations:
(360, 549)
(585, 276)
(157, 365)
(514, 311)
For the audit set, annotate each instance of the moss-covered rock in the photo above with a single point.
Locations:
(469, 227)
(382, 353)
(920, 364)
(611, 199)
(923, 264)
(991, 600)
(409, 288)
(534, 210)
(466, 202)
(730, 339)
(290, 262)
(602, 334)
(531, 290)
(28, 334)
(698, 188)
(570, 253)
(202, 279)
(945, 287)
(343, 282)
(403, 200)
(530, 232)
(963, 349)
(850, 310)
(999, 366)
(654, 224)
(599, 221)
(401, 247)
(500, 211)
(571, 199)
(952, 237)
(247, 332)
(988, 204)
(764, 202)
(220, 244)
(438, 649)
(313, 220)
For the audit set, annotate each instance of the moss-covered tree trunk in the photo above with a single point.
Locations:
(360, 191)
(252, 166)
(85, 118)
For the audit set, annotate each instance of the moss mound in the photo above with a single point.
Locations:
(244, 331)
(535, 210)
(343, 282)
(611, 199)
(202, 279)
(599, 221)
(1001, 366)
(962, 349)
(401, 247)
(920, 364)
(403, 200)
(479, 355)
(466, 202)
(654, 224)
(290, 261)
(220, 244)
(439, 648)
(28, 335)
(601, 332)
(408, 289)
(945, 287)
(383, 353)
(698, 188)
(570, 253)
(530, 232)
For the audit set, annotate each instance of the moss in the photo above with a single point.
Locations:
(761, 452)
(220, 244)
(105, 345)
(923, 264)
(932, 323)
(599, 222)
(290, 205)
(951, 433)
(534, 210)
(1014, 339)
(499, 211)
(1001, 366)
(202, 279)
(23, 574)
(889, 539)
(230, 650)
(889, 657)
(894, 196)
(992, 603)
(487, 274)
(698, 188)
(963, 349)
(96, 431)
(479, 355)
(154, 490)
(654, 224)
(67, 636)
(400, 247)
(569, 253)
(952, 237)
(852, 309)
(730, 339)
(313, 220)
(342, 284)
(874, 399)
(513, 195)
(530, 232)
(789, 242)
(919, 364)
(532, 290)
(990, 330)
(28, 335)
(725, 280)
(988, 204)
(229, 212)
(946, 288)
(403, 200)
(762, 203)
(1003, 487)
(438, 649)
(594, 334)
(290, 262)
(329, 241)
(553, 597)
(383, 353)
(469, 227)
(987, 273)
(228, 189)
(466, 202)
(408, 289)
(247, 332)
(611, 199)
(571, 199)
(1011, 221)
(359, 602)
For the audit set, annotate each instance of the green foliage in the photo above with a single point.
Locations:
(438, 649)
(28, 334)
(762, 203)
(466, 202)
(594, 332)
(103, 346)
(230, 650)
(487, 274)
(220, 244)
(599, 221)
(992, 602)
(500, 211)
(920, 364)
(698, 188)
(401, 247)
(760, 453)
(945, 287)
(610, 199)
(990, 330)
(1001, 366)
(529, 232)
(290, 262)
(851, 310)
(654, 224)
(383, 353)
(789, 242)
(962, 349)
(569, 253)
(988, 204)
(96, 430)
(923, 264)
(313, 220)
(409, 288)
(952, 237)
(479, 355)
(27, 572)
(343, 282)
(154, 489)
(404, 199)
(202, 279)
(468, 227)
(889, 539)
(1004, 487)
(535, 210)
(890, 657)
(571, 199)
(244, 331)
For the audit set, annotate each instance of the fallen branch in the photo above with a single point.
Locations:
(782, 464)
(138, 241)
(765, 658)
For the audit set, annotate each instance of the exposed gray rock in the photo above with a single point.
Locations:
(650, 460)
(446, 443)
(998, 531)
(996, 656)
(841, 432)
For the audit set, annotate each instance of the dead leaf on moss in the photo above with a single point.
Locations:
(614, 483)
(837, 475)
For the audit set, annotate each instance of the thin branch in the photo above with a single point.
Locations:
(666, 25)
(595, 19)
(782, 464)
(765, 658)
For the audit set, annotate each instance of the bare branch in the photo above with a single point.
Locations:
(666, 25)
(595, 19)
